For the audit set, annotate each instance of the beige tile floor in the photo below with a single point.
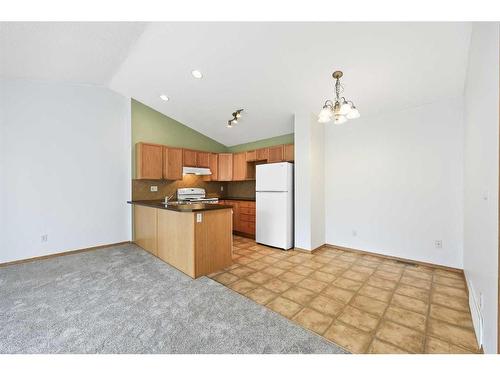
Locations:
(364, 303)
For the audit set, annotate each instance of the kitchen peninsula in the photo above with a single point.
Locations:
(194, 238)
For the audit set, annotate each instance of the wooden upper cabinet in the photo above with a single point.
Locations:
(172, 163)
(288, 152)
(203, 159)
(213, 164)
(239, 166)
(225, 167)
(262, 154)
(149, 161)
(251, 155)
(189, 157)
(275, 154)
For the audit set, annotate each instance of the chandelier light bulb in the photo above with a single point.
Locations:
(339, 119)
(353, 114)
(325, 112)
(345, 108)
(323, 119)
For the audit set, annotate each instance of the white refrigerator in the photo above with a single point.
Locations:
(274, 205)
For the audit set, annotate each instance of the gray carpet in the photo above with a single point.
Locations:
(123, 300)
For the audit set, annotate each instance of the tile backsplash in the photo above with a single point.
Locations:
(141, 189)
(240, 189)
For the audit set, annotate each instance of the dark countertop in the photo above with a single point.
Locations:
(237, 199)
(196, 207)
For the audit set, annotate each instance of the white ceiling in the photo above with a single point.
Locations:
(272, 70)
(76, 52)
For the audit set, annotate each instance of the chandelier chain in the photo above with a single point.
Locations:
(339, 89)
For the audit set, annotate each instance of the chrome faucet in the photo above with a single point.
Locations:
(168, 197)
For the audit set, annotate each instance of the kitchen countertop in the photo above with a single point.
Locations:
(195, 207)
(237, 199)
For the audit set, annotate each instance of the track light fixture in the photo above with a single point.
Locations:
(236, 115)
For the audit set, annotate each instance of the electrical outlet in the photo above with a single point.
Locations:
(438, 244)
(154, 188)
(354, 233)
(198, 218)
(221, 188)
(44, 237)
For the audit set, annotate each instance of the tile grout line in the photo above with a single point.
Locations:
(385, 310)
(356, 263)
(355, 294)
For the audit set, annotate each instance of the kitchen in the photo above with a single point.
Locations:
(173, 177)
(153, 220)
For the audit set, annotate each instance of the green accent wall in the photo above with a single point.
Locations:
(152, 126)
(282, 139)
(149, 125)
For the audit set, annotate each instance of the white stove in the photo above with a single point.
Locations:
(194, 195)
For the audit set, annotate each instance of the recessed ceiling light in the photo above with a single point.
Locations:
(196, 74)
(164, 97)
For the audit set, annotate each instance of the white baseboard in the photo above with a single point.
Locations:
(476, 312)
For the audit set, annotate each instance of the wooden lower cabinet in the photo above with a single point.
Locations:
(195, 247)
(243, 216)
(145, 228)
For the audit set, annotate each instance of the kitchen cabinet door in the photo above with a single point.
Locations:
(149, 161)
(289, 152)
(189, 157)
(203, 159)
(145, 228)
(172, 163)
(236, 216)
(262, 154)
(239, 166)
(275, 154)
(214, 167)
(251, 155)
(225, 167)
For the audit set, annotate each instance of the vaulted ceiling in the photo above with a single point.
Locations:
(272, 70)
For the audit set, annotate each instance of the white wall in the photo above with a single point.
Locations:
(481, 176)
(394, 183)
(309, 182)
(64, 167)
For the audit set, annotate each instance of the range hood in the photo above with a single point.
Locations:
(196, 171)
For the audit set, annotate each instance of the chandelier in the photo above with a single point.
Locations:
(339, 109)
